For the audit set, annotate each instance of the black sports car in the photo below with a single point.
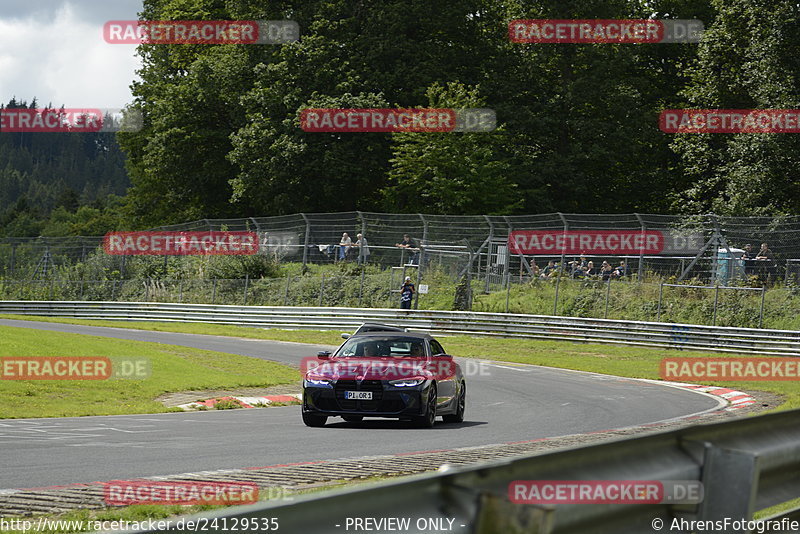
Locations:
(396, 374)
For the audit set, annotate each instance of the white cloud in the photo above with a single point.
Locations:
(64, 60)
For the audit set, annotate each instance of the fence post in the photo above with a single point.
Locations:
(641, 249)
(286, 294)
(214, 292)
(52, 283)
(321, 288)
(113, 290)
(555, 299)
(180, 290)
(246, 283)
(420, 258)
(608, 290)
(80, 297)
(305, 241)
(363, 235)
(469, 276)
(508, 285)
(13, 257)
(147, 290)
(564, 248)
(361, 287)
(660, 296)
(761, 312)
(488, 252)
(716, 300)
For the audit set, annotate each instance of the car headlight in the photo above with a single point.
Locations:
(406, 382)
(318, 382)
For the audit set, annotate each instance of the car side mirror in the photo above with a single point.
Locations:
(345, 335)
(324, 354)
(443, 356)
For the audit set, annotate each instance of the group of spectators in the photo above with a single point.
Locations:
(582, 268)
(761, 263)
(764, 254)
(346, 246)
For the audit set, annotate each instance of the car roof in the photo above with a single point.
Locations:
(377, 327)
(416, 335)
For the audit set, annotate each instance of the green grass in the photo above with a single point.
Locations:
(634, 301)
(634, 362)
(173, 369)
(297, 336)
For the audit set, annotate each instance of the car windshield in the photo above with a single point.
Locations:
(376, 347)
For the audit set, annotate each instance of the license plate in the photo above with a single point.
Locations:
(358, 395)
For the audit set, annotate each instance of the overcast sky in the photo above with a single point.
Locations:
(54, 50)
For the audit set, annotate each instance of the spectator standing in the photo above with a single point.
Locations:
(407, 291)
(748, 258)
(766, 262)
(765, 254)
(344, 246)
(411, 245)
(363, 247)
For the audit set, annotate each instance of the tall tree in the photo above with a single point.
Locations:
(451, 173)
(749, 58)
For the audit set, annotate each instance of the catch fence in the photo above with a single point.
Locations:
(707, 248)
(483, 263)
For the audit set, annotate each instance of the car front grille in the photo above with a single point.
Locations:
(375, 386)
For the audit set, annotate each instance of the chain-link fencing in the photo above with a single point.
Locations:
(622, 266)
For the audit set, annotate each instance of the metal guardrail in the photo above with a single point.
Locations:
(651, 334)
(744, 465)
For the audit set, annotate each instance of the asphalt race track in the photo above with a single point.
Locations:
(508, 403)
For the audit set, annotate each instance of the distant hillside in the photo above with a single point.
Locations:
(47, 176)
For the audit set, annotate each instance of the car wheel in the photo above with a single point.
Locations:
(352, 418)
(427, 420)
(458, 417)
(314, 420)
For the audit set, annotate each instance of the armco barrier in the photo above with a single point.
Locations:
(666, 335)
(745, 466)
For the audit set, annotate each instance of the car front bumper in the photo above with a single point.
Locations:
(387, 401)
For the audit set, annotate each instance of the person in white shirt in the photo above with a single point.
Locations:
(344, 246)
(363, 247)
